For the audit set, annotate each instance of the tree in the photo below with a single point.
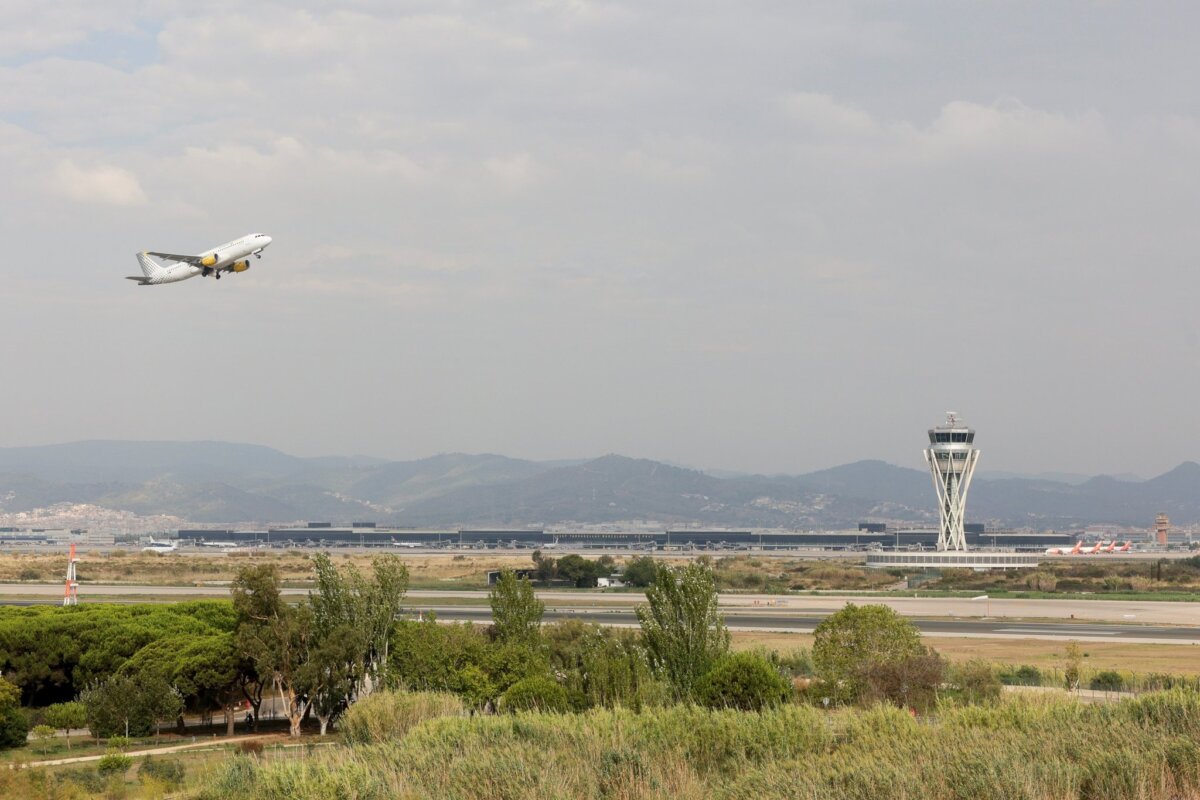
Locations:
(275, 637)
(545, 568)
(580, 571)
(682, 629)
(130, 705)
(114, 707)
(744, 681)
(353, 619)
(1073, 669)
(641, 571)
(14, 727)
(161, 700)
(205, 670)
(67, 717)
(516, 611)
(42, 734)
(849, 644)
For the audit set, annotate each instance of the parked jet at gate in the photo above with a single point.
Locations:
(230, 257)
(1062, 551)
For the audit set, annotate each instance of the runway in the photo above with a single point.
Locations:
(1101, 620)
(795, 623)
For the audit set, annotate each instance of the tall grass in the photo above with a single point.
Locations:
(385, 716)
(1039, 748)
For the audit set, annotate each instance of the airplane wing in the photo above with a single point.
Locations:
(193, 260)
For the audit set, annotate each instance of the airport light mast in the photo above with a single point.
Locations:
(71, 588)
(952, 457)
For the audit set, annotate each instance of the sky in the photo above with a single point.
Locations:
(763, 236)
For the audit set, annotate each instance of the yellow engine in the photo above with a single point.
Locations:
(208, 261)
(240, 266)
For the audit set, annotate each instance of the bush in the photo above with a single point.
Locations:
(539, 693)
(250, 747)
(860, 640)
(168, 771)
(1028, 675)
(745, 681)
(14, 728)
(1108, 681)
(978, 682)
(909, 683)
(385, 716)
(114, 763)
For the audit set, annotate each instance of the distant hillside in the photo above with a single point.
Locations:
(219, 482)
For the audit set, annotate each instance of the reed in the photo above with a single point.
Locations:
(1042, 748)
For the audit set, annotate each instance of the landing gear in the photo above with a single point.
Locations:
(217, 276)
(204, 273)
(258, 255)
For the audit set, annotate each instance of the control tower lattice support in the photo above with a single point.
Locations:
(952, 457)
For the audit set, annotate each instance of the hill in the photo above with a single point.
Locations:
(220, 482)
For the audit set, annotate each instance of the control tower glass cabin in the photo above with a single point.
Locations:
(952, 457)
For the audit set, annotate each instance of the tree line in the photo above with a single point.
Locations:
(130, 670)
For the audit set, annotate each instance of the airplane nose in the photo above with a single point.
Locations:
(268, 238)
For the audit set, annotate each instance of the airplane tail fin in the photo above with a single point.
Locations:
(150, 268)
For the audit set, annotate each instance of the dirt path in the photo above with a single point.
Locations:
(216, 741)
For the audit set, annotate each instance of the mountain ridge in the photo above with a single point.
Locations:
(228, 482)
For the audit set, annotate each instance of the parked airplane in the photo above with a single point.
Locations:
(1093, 550)
(1062, 551)
(158, 547)
(230, 257)
(222, 545)
(410, 545)
(1125, 548)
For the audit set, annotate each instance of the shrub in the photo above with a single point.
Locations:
(539, 693)
(14, 728)
(168, 771)
(858, 640)
(978, 682)
(1028, 675)
(1108, 681)
(911, 682)
(114, 762)
(384, 716)
(250, 747)
(745, 681)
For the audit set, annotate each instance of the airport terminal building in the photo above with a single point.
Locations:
(867, 537)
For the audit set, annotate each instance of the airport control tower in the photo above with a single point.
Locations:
(952, 457)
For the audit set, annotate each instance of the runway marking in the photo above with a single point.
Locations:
(1081, 631)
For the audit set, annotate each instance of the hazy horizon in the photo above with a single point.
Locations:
(770, 239)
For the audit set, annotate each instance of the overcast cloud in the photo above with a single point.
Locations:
(761, 236)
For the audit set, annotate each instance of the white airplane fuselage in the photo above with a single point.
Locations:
(229, 257)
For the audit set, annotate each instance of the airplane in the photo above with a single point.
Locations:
(1062, 551)
(1093, 550)
(230, 257)
(410, 545)
(1123, 548)
(222, 545)
(158, 547)
(1111, 547)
